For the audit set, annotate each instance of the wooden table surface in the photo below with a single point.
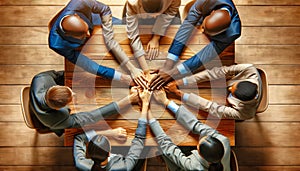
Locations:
(94, 91)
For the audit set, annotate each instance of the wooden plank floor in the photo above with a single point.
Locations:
(270, 40)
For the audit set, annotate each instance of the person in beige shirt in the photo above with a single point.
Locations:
(244, 85)
(160, 14)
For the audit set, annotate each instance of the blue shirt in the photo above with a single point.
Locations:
(90, 11)
(198, 12)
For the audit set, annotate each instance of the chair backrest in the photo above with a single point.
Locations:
(30, 119)
(53, 19)
(263, 105)
(187, 8)
(233, 162)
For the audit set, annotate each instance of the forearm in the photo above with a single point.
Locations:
(83, 118)
(142, 61)
(129, 66)
(124, 102)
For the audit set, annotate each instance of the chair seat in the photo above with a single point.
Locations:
(29, 117)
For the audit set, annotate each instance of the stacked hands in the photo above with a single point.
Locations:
(151, 80)
(142, 95)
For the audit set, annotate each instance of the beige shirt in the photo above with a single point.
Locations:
(135, 10)
(113, 46)
(238, 109)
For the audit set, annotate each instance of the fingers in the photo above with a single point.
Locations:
(154, 71)
(139, 81)
(158, 85)
(156, 82)
(153, 53)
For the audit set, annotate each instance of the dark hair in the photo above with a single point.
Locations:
(212, 150)
(152, 6)
(245, 90)
(215, 167)
(98, 150)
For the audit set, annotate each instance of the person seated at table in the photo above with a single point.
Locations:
(244, 86)
(74, 26)
(219, 20)
(213, 149)
(97, 155)
(49, 99)
(160, 14)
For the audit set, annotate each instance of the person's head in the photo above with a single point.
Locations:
(75, 26)
(211, 149)
(244, 90)
(215, 23)
(98, 150)
(152, 6)
(58, 96)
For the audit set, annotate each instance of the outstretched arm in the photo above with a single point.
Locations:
(137, 144)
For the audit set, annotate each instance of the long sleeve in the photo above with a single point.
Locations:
(217, 73)
(190, 122)
(79, 153)
(87, 64)
(185, 31)
(137, 145)
(68, 46)
(221, 111)
(218, 43)
(164, 20)
(83, 118)
(172, 151)
(108, 34)
(133, 31)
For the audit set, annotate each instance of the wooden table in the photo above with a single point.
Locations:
(93, 91)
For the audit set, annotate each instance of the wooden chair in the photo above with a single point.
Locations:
(265, 96)
(233, 162)
(30, 119)
(187, 8)
(53, 19)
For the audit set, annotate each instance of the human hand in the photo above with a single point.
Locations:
(173, 88)
(119, 134)
(150, 116)
(162, 78)
(161, 97)
(127, 80)
(145, 96)
(139, 77)
(134, 95)
(153, 47)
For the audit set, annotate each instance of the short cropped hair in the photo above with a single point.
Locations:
(152, 6)
(211, 149)
(217, 22)
(58, 96)
(98, 148)
(245, 90)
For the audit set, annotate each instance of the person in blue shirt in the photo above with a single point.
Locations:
(72, 27)
(219, 20)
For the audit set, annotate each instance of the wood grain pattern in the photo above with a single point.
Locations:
(250, 134)
(268, 156)
(250, 36)
(178, 134)
(270, 39)
(122, 2)
(274, 113)
(29, 18)
(256, 54)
